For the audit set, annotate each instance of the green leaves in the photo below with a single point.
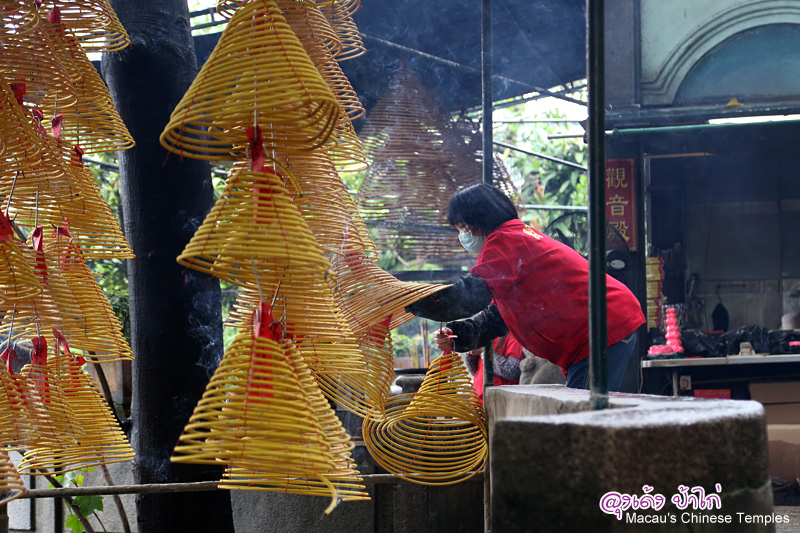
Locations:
(543, 182)
(89, 504)
(86, 504)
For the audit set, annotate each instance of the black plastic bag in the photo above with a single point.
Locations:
(758, 336)
(784, 342)
(698, 344)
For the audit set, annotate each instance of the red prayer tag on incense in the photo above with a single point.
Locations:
(39, 352)
(265, 325)
(62, 342)
(54, 17)
(6, 231)
(256, 147)
(77, 156)
(37, 236)
(65, 258)
(39, 358)
(56, 123)
(19, 89)
(9, 355)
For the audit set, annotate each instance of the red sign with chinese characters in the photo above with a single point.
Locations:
(621, 204)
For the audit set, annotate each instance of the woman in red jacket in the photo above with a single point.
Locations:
(531, 285)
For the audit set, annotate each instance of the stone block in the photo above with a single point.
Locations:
(552, 460)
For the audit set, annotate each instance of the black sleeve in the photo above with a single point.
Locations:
(507, 367)
(478, 330)
(462, 299)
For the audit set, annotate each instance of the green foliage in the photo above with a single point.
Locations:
(112, 274)
(352, 180)
(87, 504)
(543, 182)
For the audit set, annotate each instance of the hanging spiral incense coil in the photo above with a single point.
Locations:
(93, 225)
(20, 150)
(60, 189)
(367, 294)
(11, 486)
(53, 423)
(348, 7)
(93, 22)
(19, 16)
(17, 280)
(254, 223)
(408, 118)
(321, 43)
(24, 319)
(468, 151)
(226, 8)
(365, 395)
(418, 161)
(31, 194)
(29, 58)
(346, 150)
(344, 477)
(310, 26)
(436, 436)
(93, 122)
(88, 321)
(254, 415)
(244, 82)
(359, 239)
(101, 442)
(15, 424)
(339, 14)
(308, 315)
(320, 201)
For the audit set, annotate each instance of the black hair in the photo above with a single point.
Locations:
(481, 206)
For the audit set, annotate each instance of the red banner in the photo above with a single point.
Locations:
(621, 204)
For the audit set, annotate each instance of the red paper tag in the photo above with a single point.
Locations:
(39, 352)
(62, 342)
(6, 231)
(56, 124)
(55, 15)
(38, 3)
(39, 358)
(62, 231)
(66, 257)
(256, 145)
(77, 156)
(265, 325)
(9, 355)
(19, 91)
(37, 236)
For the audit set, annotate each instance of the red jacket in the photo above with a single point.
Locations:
(541, 289)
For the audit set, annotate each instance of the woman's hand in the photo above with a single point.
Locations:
(442, 338)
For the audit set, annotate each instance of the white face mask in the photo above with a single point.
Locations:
(470, 242)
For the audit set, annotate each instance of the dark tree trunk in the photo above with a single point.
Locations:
(176, 327)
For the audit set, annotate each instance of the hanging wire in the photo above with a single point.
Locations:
(11, 194)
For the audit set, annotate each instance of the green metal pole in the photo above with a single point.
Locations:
(488, 170)
(598, 334)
